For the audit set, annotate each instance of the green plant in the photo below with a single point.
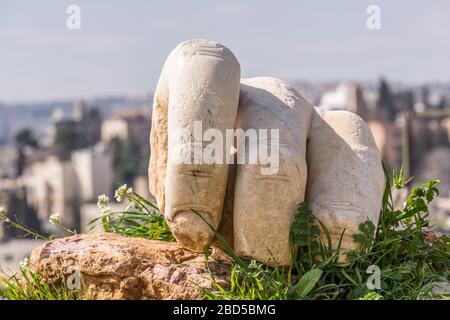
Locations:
(371, 296)
(54, 219)
(141, 218)
(255, 282)
(28, 285)
(409, 264)
(16, 224)
(249, 279)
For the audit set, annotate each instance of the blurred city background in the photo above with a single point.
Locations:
(75, 106)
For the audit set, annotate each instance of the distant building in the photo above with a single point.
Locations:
(15, 251)
(4, 128)
(347, 96)
(52, 187)
(82, 130)
(387, 137)
(130, 123)
(13, 198)
(56, 185)
(94, 171)
(8, 156)
(446, 126)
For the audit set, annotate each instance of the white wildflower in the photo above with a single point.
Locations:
(122, 192)
(3, 216)
(106, 211)
(102, 201)
(129, 191)
(25, 263)
(54, 218)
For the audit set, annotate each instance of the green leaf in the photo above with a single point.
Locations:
(307, 283)
(225, 246)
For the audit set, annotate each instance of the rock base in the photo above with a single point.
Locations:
(109, 266)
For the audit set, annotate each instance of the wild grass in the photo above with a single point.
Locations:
(409, 264)
(140, 219)
(28, 285)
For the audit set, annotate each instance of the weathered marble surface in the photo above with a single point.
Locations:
(264, 205)
(345, 174)
(199, 82)
(329, 157)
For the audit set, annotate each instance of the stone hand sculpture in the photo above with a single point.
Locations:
(327, 158)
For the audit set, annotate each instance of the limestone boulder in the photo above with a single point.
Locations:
(110, 267)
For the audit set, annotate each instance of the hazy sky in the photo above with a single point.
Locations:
(122, 45)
